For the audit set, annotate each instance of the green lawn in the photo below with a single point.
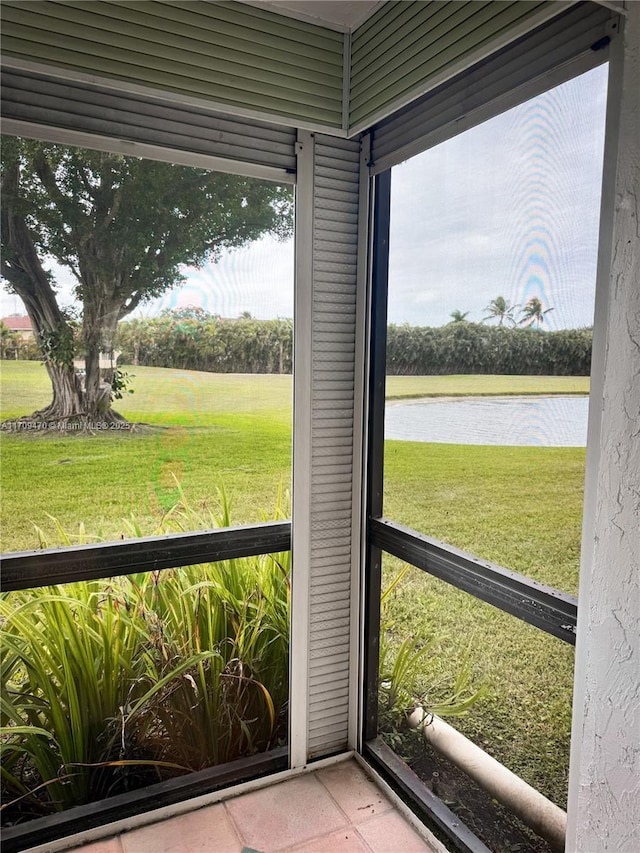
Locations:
(480, 386)
(209, 429)
(520, 507)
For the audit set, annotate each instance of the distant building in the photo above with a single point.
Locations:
(21, 326)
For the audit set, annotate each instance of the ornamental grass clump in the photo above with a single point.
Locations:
(111, 685)
(407, 680)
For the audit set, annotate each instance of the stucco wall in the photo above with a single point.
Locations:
(604, 803)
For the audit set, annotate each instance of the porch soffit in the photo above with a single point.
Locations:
(259, 59)
(227, 56)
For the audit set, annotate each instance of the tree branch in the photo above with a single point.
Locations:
(48, 179)
(134, 300)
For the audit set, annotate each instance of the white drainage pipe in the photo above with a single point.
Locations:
(533, 808)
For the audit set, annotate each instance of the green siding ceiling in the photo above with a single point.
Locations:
(406, 44)
(255, 62)
(222, 52)
(546, 57)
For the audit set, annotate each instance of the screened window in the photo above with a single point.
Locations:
(487, 320)
(147, 409)
(151, 389)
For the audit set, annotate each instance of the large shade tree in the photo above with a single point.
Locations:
(125, 228)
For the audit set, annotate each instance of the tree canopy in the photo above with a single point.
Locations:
(125, 228)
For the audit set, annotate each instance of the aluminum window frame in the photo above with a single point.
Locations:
(23, 570)
(548, 609)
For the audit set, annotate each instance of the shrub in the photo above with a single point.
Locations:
(472, 348)
(106, 682)
(406, 679)
(191, 339)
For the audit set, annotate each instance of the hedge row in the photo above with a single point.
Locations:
(475, 348)
(194, 340)
(197, 341)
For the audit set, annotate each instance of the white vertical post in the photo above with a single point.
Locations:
(604, 780)
(301, 509)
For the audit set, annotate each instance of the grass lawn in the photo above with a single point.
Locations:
(399, 387)
(209, 430)
(520, 507)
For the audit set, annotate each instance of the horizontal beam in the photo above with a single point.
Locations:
(133, 148)
(548, 609)
(399, 775)
(28, 569)
(79, 819)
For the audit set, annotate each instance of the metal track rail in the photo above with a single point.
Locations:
(548, 609)
(28, 569)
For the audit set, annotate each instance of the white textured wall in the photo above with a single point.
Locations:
(604, 791)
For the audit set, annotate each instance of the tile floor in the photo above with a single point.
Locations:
(333, 810)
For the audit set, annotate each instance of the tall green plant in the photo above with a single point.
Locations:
(73, 666)
(173, 671)
(405, 677)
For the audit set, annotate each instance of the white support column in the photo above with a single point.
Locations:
(604, 783)
(327, 205)
(302, 434)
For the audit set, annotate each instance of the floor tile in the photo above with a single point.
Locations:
(343, 841)
(207, 829)
(334, 810)
(108, 845)
(284, 815)
(390, 833)
(356, 795)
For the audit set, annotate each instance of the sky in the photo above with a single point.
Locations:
(509, 208)
(258, 279)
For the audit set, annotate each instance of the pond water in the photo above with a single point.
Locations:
(516, 421)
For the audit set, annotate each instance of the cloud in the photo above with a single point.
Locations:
(257, 278)
(508, 208)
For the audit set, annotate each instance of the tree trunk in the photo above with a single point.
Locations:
(100, 322)
(67, 395)
(22, 268)
(92, 369)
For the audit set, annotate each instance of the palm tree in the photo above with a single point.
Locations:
(458, 316)
(533, 313)
(502, 310)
